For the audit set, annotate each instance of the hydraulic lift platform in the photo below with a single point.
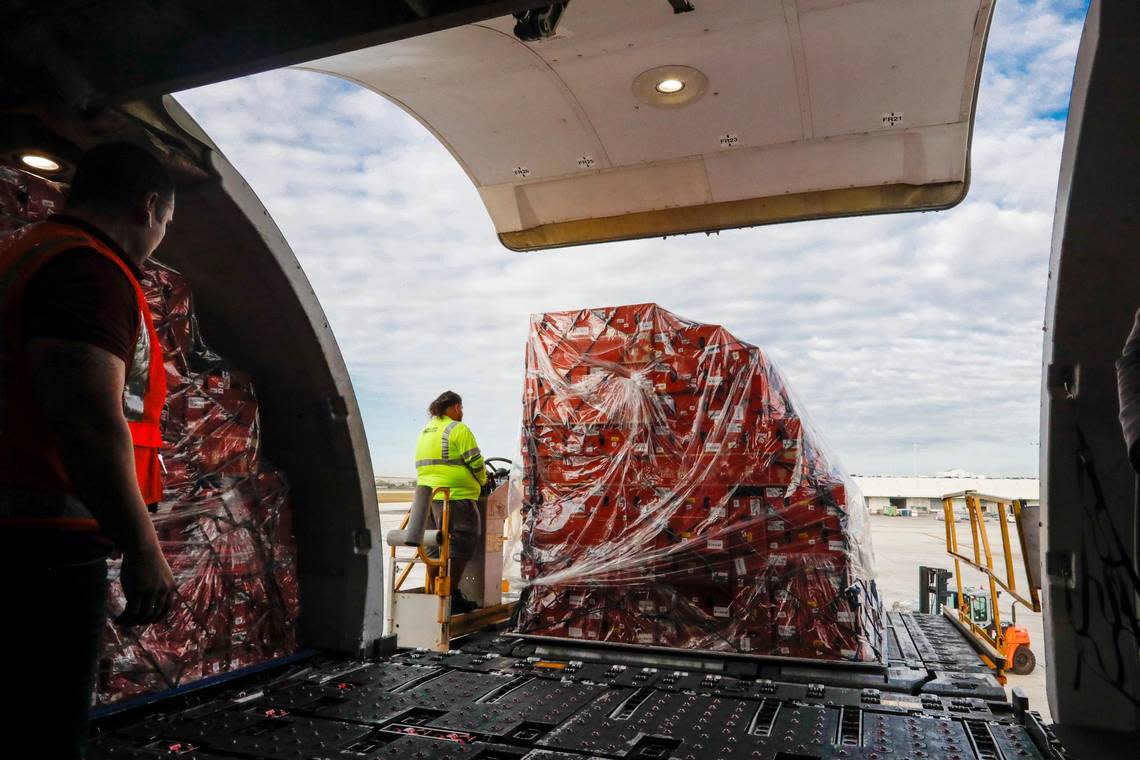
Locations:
(501, 697)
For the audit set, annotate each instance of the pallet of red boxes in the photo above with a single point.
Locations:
(224, 523)
(673, 495)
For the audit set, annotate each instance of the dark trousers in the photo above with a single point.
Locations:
(462, 524)
(50, 635)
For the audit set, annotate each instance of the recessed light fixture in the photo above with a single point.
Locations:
(671, 86)
(43, 163)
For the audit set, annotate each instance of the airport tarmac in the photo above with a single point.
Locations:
(901, 545)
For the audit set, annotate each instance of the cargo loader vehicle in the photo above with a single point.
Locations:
(604, 121)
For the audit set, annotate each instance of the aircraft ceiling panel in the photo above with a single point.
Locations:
(751, 79)
(905, 57)
(859, 106)
(499, 108)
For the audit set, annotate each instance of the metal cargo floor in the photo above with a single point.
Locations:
(501, 698)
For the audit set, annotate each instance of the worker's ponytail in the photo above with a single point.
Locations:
(441, 404)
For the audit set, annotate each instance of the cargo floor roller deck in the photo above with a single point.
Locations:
(500, 697)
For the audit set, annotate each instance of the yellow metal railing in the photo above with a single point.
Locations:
(982, 559)
(437, 579)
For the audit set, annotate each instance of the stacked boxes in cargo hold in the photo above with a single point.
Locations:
(224, 521)
(673, 495)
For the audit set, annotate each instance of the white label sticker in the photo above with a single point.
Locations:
(729, 140)
(786, 631)
(645, 638)
(735, 427)
(586, 162)
(717, 513)
(196, 403)
(849, 653)
(573, 447)
(740, 565)
(716, 414)
(843, 616)
(836, 546)
(721, 612)
(645, 325)
(579, 331)
(712, 448)
(577, 600)
(641, 448)
(576, 633)
(777, 525)
(779, 560)
(774, 493)
(645, 605)
(745, 644)
(783, 595)
(521, 172)
(893, 119)
(716, 544)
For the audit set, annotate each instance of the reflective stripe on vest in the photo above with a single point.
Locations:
(445, 447)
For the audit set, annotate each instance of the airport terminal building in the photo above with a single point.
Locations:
(923, 494)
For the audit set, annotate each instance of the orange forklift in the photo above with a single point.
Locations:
(935, 594)
(1002, 645)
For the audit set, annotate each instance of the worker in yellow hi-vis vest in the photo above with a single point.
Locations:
(447, 455)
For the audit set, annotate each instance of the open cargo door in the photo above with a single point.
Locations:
(634, 121)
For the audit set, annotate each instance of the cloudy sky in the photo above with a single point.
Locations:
(913, 340)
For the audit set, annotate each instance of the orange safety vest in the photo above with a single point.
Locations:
(35, 490)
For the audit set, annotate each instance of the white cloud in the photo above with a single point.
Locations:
(898, 332)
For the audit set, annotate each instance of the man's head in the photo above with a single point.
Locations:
(448, 404)
(125, 186)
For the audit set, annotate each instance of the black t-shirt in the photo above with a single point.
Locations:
(85, 298)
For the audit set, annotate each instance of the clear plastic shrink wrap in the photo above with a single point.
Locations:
(224, 521)
(672, 494)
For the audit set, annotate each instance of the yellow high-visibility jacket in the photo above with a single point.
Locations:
(447, 455)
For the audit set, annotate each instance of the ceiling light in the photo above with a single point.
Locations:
(43, 163)
(670, 86)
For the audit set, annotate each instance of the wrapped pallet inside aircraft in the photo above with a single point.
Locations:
(673, 495)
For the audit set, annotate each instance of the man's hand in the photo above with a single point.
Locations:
(149, 587)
